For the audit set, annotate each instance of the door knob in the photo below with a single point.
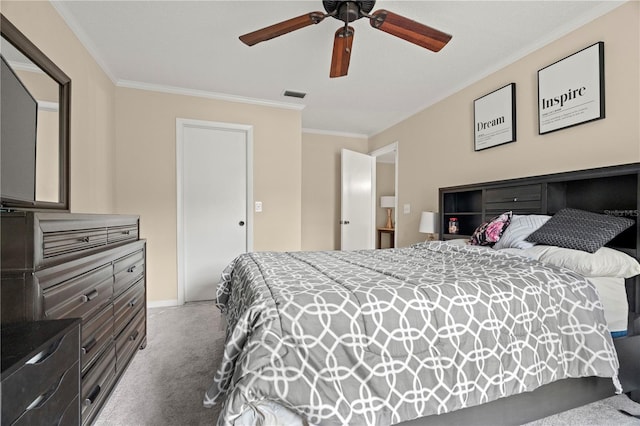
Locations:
(241, 223)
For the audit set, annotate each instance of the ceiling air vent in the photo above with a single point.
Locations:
(293, 94)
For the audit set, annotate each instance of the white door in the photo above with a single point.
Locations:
(357, 230)
(214, 204)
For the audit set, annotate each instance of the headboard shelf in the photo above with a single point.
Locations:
(613, 190)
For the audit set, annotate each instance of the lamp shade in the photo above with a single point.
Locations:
(388, 202)
(428, 222)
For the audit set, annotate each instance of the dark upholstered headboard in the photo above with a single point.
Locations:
(613, 190)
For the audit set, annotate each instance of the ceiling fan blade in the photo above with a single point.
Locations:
(341, 52)
(409, 30)
(281, 28)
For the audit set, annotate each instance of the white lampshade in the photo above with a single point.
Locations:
(388, 202)
(428, 223)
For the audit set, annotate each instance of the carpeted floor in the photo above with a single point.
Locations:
(165, 383)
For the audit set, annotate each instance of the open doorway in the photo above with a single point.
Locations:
(386, 195)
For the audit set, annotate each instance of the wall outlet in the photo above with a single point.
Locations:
(258, 206)
(407, 208)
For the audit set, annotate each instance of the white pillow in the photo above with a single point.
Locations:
(605, 262)
(519, 229)
(458, 242)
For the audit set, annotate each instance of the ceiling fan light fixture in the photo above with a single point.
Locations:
(348, 10)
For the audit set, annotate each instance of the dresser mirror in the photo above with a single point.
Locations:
(43, 183)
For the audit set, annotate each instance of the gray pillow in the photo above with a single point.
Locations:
(580, 230)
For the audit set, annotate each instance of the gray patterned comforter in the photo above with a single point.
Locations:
(383, 336)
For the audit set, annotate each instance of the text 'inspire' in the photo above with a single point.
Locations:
(560, 100)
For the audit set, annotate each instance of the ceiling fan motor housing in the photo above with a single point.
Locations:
(348, 11)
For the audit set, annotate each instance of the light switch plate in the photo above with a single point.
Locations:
(407, 208)
(258, 206)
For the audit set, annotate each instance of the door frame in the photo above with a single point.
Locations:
(181, 124)
(377, 153)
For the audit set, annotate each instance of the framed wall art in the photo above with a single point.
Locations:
(494, 118)
(571, 91)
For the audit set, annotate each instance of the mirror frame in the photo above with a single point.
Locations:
(10, 33)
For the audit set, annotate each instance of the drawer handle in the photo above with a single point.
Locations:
(132, 268)
(92, 396)
(84, 239)
(45, 354)
(90, 296)
(515, 198)
(134, 336)
(133, 302)
(87, 348)
(45, 397)
(126, 232)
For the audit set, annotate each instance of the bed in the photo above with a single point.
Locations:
(428, 332)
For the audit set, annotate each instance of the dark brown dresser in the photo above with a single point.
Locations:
(86, 266)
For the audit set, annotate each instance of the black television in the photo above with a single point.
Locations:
(18, 127)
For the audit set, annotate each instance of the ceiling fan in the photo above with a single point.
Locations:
(349, 11)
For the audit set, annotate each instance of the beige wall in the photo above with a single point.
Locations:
(44, 88)
(146, 172)
(47, 156)
(321, 188)
(437, 143)
(41, 86)
(92, 103)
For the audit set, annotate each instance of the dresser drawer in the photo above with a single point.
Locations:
(514, 206)
(129, 340)
(71, 415)
(117, 234)
(97, 382)
(80, 296)
(96, 334)
(40, 375)
(61, 243)
(514, 193)
(127, 304)
(51, 406)
(127, 271)
(524, 198)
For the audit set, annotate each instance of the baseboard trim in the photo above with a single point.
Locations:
(162, 303)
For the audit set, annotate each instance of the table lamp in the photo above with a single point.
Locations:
(429, 224)
(388, 202)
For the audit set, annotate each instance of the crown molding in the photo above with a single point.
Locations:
(334, 133)
(205, 94)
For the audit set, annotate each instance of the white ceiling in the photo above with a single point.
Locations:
(193, 47)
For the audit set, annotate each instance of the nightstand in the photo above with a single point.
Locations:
(391, 232)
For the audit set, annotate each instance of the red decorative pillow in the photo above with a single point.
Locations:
(490, 232)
